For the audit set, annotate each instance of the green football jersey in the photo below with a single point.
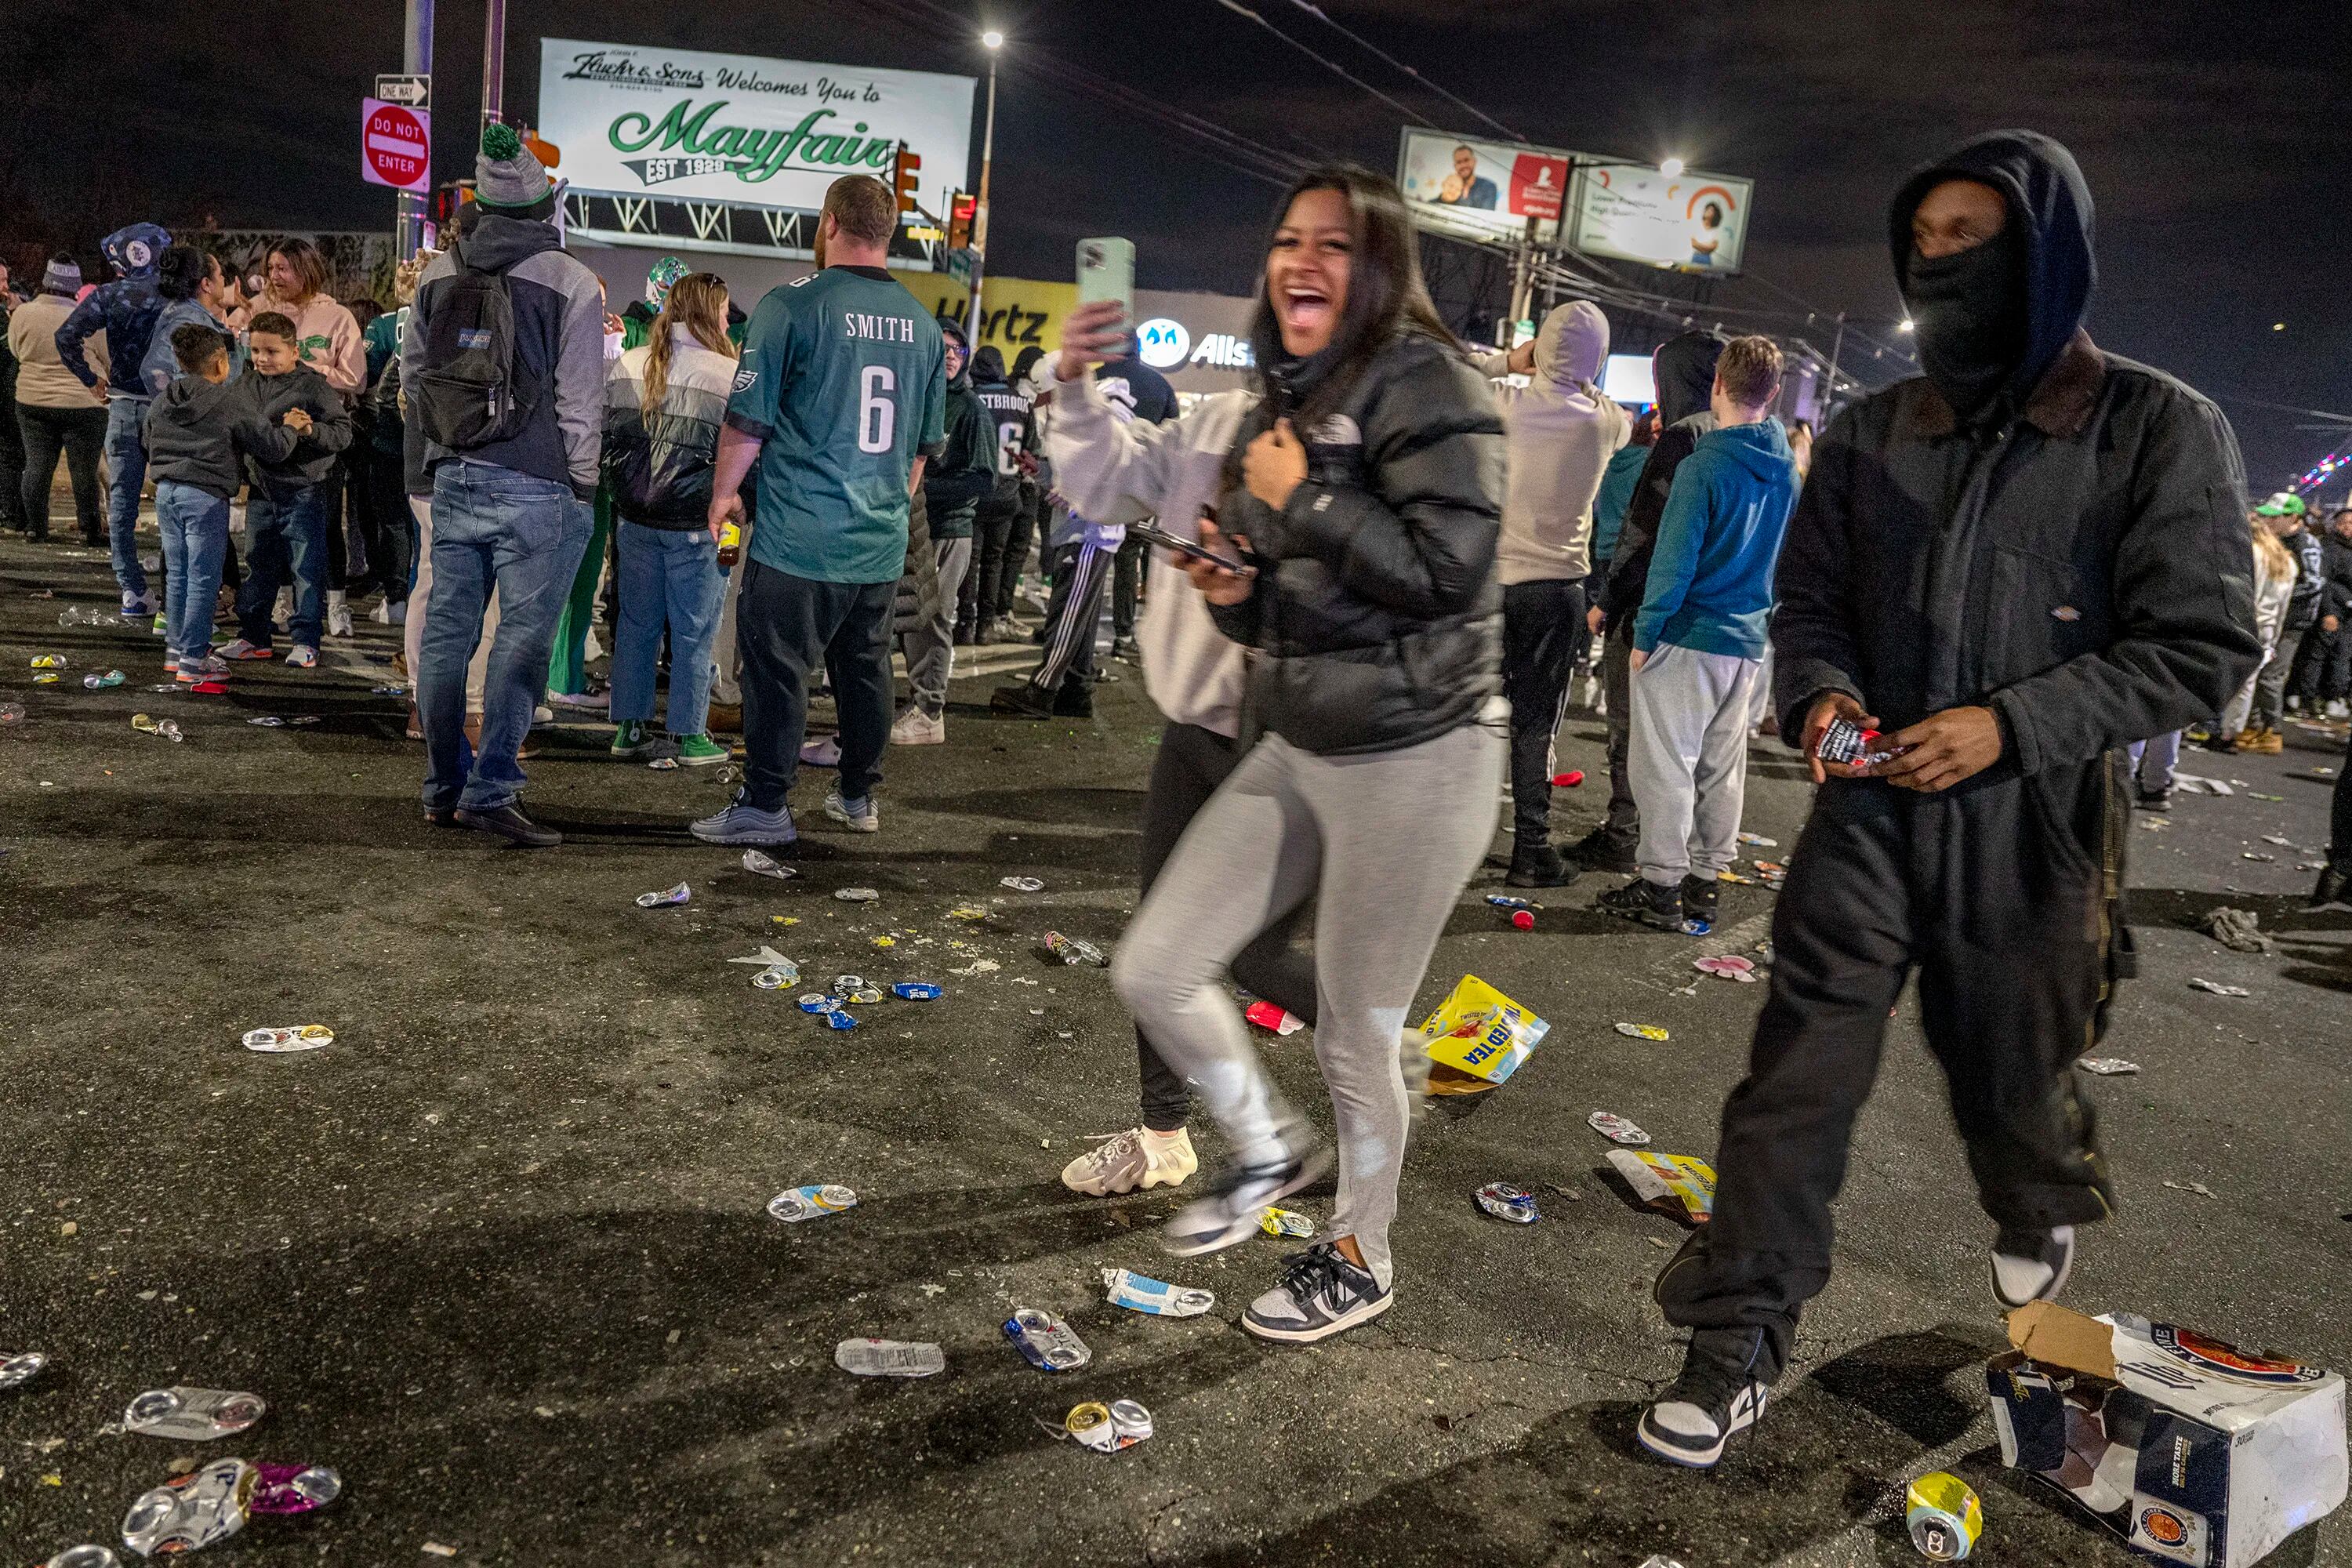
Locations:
(844, 381)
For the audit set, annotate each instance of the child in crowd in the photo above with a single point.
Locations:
(286, 515)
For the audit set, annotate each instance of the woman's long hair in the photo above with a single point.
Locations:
(310, 268)
(2278, 561)
(1385, 292)
(697, 302)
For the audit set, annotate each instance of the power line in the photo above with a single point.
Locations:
(1334, 66)
(1384, 57)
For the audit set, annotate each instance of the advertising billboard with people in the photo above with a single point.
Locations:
(1482, 190)
(1689, 222)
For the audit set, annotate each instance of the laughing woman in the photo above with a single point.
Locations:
(1363, 483)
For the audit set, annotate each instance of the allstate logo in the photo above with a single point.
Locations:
(1162, 343)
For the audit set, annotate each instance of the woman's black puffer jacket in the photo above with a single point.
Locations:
(1377, 611)
(658, 466)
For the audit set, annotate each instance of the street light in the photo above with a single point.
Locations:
(1671, 167)
(993, 42)
(1904, 325)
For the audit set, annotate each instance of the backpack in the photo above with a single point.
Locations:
(467, 391)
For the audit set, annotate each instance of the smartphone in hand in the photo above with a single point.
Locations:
(1154, 534)
(1106, 271)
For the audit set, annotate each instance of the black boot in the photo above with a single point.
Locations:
(1645, 901)
(1702, 899)
(1538, 865)
(2332, 886)
(1601, 850)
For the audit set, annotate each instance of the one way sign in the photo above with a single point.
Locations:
(411, 92)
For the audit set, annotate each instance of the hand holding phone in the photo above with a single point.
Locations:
(1106, 274)
(1153, 534)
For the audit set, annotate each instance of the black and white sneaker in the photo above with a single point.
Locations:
(1703, 898)
(1319, 1294)
(2031, 1265)
(1645, 903)
(1716, 1396)
(1228, 1212)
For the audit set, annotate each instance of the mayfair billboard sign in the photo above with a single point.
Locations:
(739, 130)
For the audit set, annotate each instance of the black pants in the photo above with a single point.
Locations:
(80, 434)
(992, 530)
(1126, 586)
(386, 528)
(11, 453)
(787, 627)
(1993, 893)
(1019, 534)
(1625, 820)
(1543, 626)
(1192, 763)
(1079, 575)
(2340, 817)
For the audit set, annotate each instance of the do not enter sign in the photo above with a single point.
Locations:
(396, 145)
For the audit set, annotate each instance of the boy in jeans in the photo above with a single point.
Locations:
(1698, 643)
(286, 515)
(196, 431)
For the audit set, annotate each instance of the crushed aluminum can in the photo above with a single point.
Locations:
(1509, 901)
(760, 863)
(272, 721)
(85, 1556)
(1757, 840)
(1108, 1428)
(300, 1038)
(96, 682)
(18, 1368)
(1284, 1221)
(843, 984)
(1616, 1128)
(148, 725)
(49, 661)
(856, 895)
(1048, 1343)
(837, 1019)
(293, 1489)
(2219, 990)
(201, 1509)
(867, 995)
(1693, 926)
(1022, 884)
(664, 764)
(811, 1203)
(49, 678)
(1943, 1515)
(2107, 1066)
(777, 977)
(890, 1358)
(1659, 1560)
(193, 1415)
(667, 896)
(387, 691)
(1643, 1031)
(1504, 1200)
(967, 913)
(818, 1002)
(1139, 1293)
(1070, 950)
(917, 991)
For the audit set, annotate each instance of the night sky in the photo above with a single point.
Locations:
(2215, 139)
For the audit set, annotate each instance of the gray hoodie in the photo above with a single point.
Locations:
(1561, 430)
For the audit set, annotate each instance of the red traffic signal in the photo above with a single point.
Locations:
(959, 215)
(904, 172)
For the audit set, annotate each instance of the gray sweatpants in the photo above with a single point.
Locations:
(931, 648)
(1689, 759)
(1384, 842)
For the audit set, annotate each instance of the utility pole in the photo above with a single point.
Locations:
(494, 63)
(1522, 278)
(1837, 346)
(993, 41)
(417, 60)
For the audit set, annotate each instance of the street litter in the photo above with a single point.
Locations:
(1104, 1428)
(1657, 1561)
(1676, 1184)
(96, 682)
(1508, 901)
(2203, 985)
(967, 913)
(1943, 1515)
(1772, 873)
(2283, 842)
(1568, 780)
(85, 1557)
(83, 616)
(856, 895)
(760, 863)
(1022, 884)
(1758, 840)
(1284, 1221)
(777, 976)
(18, 1367)
(1616, 1128)
(1643, 1031)
(978, 966)
(866, 994)
(814, 1002)
(766, 958)
(150, 726)
(2257, 795)
(193, 1415)
(664, 764)
(811, 1203)
(1070, 950)
(2197, 784)
(272, 721)
(890, 1358)
(193, 1512)
(844, 984)
(1266, 1015)
(667, 896)
(917, 991)
(1727, 966)
(49, 661)
(2190, 1449)
(298, 1037)
(1504, 1200)
(12, 713)
(45, 678)
(1049, 1343)
(2107, 1066)
(2238, 931)
(2251, 855)
(1477, 1033)
(2200, 1188)
(837, 1019)
(387, 691)
(1138, 1293)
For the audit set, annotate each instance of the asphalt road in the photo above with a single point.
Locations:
(500, 1255)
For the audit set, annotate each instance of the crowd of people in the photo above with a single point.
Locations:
(1993, 578)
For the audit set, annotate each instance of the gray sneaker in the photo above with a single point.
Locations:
(741, 824)
(859, 815)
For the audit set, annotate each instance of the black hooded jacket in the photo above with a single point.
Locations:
(2077, 561)
(1685, 370)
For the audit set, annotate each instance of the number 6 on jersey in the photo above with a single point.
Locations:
(878, 411)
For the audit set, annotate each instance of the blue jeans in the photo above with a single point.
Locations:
(126, 471)
(194, 525)
(670, 576)
(492, 529)
(282, 531)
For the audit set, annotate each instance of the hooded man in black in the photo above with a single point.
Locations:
(1682, 369)
(2014, 565)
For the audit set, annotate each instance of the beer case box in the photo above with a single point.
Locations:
(2191, 1449)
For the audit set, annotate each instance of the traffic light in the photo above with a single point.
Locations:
(447, 199)
(959, 211)
(904, 177)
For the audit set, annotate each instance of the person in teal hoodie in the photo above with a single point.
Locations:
(1617, 484)
(1698, 643)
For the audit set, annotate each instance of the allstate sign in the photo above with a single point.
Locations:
(1161, 344)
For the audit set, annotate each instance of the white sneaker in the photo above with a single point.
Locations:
(2031, 1265)
(592, 648)
(824, 752)
(917, 728)
(594, 701)
(382, 613)
(542, 714)
(859, 815)
(2336, 708)
(1139, 1157)
(304, 656)
(338, 614)
(241, 649)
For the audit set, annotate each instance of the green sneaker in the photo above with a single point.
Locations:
(699, 752)
(633, 740)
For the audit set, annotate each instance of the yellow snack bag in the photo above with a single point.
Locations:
(1480, 1031)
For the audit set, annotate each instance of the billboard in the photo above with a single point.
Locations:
(1689, 222)
(742, 131)
(1482, 190)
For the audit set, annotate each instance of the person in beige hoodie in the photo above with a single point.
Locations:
(1561, 430)
(57, 413)
(326, 337)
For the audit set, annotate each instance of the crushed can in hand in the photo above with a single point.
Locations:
(1137, 1293)
(1047, 1343)
(1944, 1517)
(811, 1203)
(890, 1358)
(193, 1415)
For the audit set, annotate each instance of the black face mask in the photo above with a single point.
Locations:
(1970, 315)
